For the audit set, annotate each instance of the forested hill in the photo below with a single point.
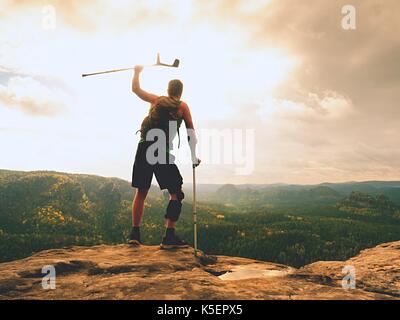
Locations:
(301, 194)
(292, 225)
(40, 210)
(89, 183)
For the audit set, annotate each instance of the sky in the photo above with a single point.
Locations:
(279, 90)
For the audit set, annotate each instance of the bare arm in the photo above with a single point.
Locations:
(187, 118)
(146, 96)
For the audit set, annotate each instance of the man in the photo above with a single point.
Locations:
(164, 111)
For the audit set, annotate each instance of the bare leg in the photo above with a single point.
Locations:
(138, 206)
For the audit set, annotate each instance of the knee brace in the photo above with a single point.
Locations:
(180, 195)
(174, 209)
(178, 191)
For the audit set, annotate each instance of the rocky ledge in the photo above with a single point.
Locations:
(147, 272)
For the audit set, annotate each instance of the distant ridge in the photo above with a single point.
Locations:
(377, 183)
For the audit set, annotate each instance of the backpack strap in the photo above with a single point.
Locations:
(179, 138)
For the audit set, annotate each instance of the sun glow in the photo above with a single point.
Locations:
(220, 73)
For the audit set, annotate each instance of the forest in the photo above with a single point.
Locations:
(288, 224)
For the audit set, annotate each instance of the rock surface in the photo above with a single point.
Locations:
(146, 272)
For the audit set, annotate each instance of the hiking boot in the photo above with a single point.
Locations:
(170, 242)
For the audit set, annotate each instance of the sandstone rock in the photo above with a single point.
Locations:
(146, 272)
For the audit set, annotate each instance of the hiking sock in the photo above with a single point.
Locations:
(170, 233)
(135, 234)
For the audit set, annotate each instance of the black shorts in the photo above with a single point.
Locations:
(167, 175)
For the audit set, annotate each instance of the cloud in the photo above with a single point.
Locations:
(358, 63)
(91, 16)
(30, 96)
(79, 14)
(336, 116)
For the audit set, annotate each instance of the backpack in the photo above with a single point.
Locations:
(164, 110)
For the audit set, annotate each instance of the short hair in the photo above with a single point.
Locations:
(175, 88)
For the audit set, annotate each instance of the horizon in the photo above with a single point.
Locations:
(312, 100)
(214, 184)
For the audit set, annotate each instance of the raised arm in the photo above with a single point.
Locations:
(187, 118)
(146, 96)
